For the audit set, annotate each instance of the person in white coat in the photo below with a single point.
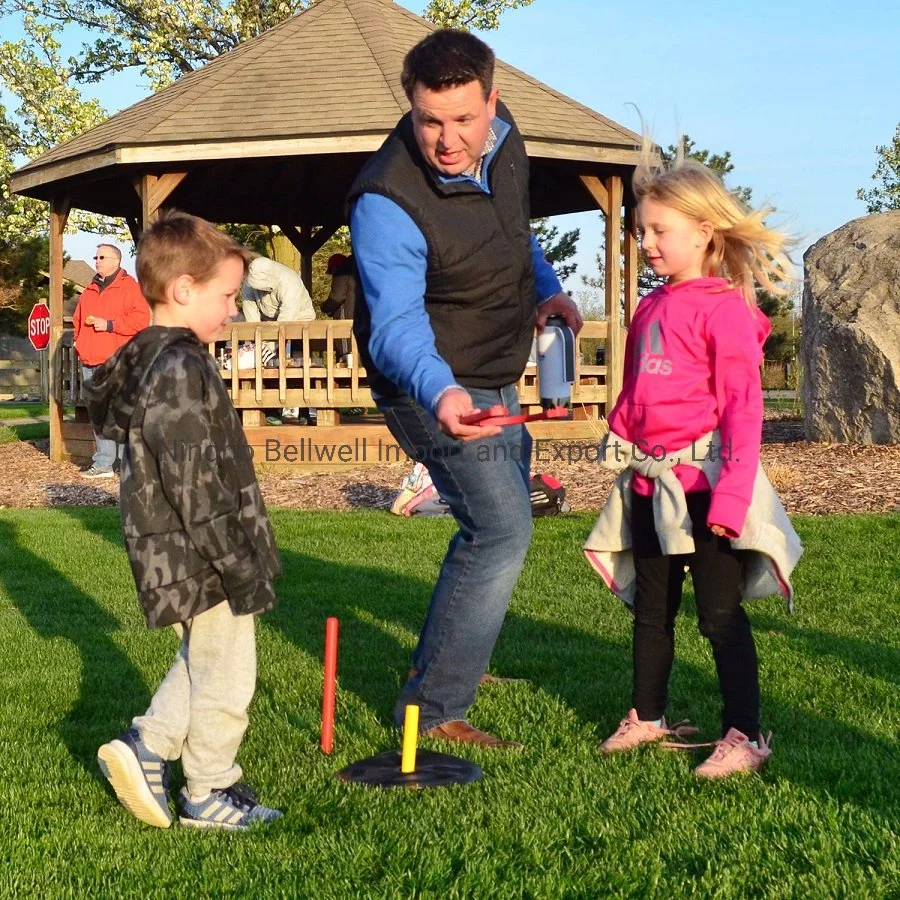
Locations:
(274, 292)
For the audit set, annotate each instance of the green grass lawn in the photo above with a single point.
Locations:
(22, 410)
(34, 432)
(785, 403)
(28, 410)
(556, 820)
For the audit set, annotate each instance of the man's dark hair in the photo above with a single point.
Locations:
(448, 58)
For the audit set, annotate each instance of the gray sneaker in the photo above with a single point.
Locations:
(233, 808)
(94, 472)
(139, 777)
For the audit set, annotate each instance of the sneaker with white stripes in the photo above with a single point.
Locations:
(93, 473)
(233, 808)
(139, 777)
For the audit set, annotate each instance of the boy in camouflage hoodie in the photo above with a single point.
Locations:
(200, 544)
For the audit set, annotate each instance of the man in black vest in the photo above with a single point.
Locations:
(454, 283)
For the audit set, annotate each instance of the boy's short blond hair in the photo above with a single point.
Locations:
(181, 244)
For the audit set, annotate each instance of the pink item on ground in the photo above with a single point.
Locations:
(632, 732)
(734, 753)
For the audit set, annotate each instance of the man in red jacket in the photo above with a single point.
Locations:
(110, 311)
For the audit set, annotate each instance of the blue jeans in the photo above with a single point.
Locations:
(486, 485)
(107, 450)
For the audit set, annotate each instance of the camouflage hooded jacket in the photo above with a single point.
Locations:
(193, 516)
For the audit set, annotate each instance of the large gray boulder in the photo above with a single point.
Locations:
(850, 344)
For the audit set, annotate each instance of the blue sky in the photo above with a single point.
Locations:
(800, 92)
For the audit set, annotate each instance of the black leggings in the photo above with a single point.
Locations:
(716, 574)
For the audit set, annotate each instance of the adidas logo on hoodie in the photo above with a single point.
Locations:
(651, 361)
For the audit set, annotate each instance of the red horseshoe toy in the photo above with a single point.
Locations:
(499, 415)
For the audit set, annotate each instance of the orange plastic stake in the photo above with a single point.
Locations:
(331, 640)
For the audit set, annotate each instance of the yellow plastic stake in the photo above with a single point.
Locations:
(410, 738)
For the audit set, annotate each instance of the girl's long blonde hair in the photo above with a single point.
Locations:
(742, 249)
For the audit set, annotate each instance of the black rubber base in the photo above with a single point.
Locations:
(432, 770)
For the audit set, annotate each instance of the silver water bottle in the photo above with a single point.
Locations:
(556, 363)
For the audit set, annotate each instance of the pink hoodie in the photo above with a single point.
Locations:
(692, 365)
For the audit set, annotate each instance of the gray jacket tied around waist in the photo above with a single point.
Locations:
(770, 544)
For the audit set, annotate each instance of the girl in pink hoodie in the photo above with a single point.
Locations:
(692, 366)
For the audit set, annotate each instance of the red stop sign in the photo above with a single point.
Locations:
(39, 326)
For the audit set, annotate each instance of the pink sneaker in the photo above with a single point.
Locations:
(632, 732)
(735, 753)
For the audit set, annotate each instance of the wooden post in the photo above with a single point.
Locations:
(327, 416)
(615, 349)
(45, 376)
(59, 215)
(308, 244)
(631, 264)
(134, 228)
(293, 235)
(598, 191)
(306, 257)
(154, 190)
(322, 235)
(306, 271)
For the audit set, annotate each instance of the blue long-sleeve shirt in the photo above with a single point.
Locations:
(402, 343)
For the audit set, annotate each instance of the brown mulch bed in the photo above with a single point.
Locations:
(813, 479)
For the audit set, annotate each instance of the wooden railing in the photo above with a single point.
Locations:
(67, 381)
(318, 373)
(20, 376)
(315, 373)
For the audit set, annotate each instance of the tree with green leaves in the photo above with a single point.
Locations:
(483, 15)
(720, 163)
(50, 111)
(783, 343)
(161, 39)
(165, 39)
(886, 194)
(23, 281)
(558, 248)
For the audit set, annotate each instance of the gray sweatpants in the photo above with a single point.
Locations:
(199, 712)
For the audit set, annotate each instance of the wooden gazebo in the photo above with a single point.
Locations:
(274, 132)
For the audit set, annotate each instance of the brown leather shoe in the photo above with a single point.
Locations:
(464, 733)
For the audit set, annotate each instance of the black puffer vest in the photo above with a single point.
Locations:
(479, 292)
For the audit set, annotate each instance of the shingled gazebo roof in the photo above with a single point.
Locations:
(276, 129)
